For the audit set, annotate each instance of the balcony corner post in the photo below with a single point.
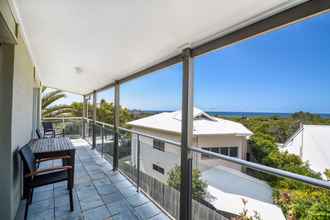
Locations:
(186, 135)
(116, 125)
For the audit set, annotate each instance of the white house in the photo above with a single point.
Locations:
(210, 133)
(213, 134)
(312, 144)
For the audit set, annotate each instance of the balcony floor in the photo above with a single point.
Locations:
(99, 193)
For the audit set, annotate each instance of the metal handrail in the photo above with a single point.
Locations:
(61, 118)
(98, 122)
(136, 132)
(266, 169)
(255, 166)
(151, 136)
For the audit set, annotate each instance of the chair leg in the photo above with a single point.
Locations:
(26, 209)
(32, 191)
(71, 199)
(30, 196)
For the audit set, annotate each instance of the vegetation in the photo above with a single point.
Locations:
(327, 174)
(297, 200)
(243, 215)
(104, 111)
(199, 186)
(48, 108)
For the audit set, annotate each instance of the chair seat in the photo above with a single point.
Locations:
(48, 178)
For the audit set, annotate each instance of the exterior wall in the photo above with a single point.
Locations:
(171, 156)
(222, 141)
(149, 156)
(22, 112)
(7, 23)
(16, 85)
(6, 78)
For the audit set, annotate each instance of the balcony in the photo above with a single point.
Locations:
(88, 47)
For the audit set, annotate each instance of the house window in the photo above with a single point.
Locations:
(215, 150)
(159, 145)
(158, 168)
(224, 150)
(233, 151)
(229, 151)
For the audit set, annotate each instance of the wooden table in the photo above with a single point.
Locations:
(52, 147)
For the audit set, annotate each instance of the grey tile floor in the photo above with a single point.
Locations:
(99, 193)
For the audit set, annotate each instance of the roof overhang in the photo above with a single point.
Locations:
(82, 46)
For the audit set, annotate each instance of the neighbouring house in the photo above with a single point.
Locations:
(209, 133)
(312, 144)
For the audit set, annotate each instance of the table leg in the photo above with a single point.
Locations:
(72, 164)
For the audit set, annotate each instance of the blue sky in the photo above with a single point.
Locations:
(284, 71)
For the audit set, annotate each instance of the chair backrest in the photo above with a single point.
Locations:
(28, 158)
(38, 133)
(48, 126)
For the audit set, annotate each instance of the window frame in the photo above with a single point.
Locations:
(158, 168)
(227, 151)
(158, 145)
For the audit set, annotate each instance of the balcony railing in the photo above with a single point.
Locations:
(138, 159)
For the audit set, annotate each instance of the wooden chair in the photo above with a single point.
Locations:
(49, 130)
(34, 177)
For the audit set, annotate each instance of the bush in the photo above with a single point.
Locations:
(297, 200)
(199, 187)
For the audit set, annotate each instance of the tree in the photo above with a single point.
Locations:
(327, 174)
(48, 98)
(199, 186)
(297, 200)
(104, 112)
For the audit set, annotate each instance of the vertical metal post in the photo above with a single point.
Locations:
(138, 164)
(83, 117)
(94, 120)
(102, 135)
(63, 124)
(39, 112)
(186, 136)
(116, 125)
(87, 119)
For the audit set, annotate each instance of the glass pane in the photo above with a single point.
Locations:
(224, 150)
(126, 163)
(108, 143)
(159, 173)
(233, 152)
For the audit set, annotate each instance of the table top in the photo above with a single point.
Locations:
(51, 145)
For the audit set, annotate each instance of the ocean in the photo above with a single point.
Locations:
(247, 114)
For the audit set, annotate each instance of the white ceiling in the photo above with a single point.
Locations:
(111, 39)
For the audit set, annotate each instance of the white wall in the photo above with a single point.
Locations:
(149, 156)
(6, 78)
(17, 83)
(222, 141)
(22, 112)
